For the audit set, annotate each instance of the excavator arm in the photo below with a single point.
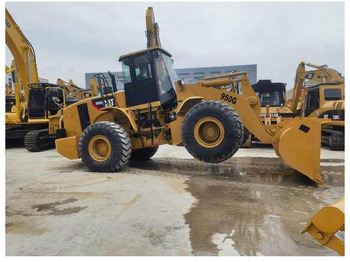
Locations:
(152, 30)
(22, 52)
(321, 74)
(298, 86)
(73, 90)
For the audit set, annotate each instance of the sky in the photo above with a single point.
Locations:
(71, 39)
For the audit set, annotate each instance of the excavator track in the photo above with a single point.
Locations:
(38, 140)
(332, 139)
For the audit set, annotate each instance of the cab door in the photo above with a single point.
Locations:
(312, 101)
(139, 83)
(54, 100)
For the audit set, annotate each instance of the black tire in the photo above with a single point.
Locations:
(120, 146)
(143, 154)
(246, 135)
(233, 131)
(330, 142)
(33, 140)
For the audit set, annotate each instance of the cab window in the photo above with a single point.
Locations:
(142, 68)
(313, 102)
(126, 71)
(332, 94)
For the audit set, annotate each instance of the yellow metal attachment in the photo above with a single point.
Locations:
(299, 143)
(100, 148)
(326, 223)
(209, 132)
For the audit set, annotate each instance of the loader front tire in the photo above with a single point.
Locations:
(143, 154)
(104, 147)
(212, 131)
(246, 135)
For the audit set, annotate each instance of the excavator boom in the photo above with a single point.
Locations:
(23, 54)
(152, 30)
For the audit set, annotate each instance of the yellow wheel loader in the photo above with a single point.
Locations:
(325, 224)
(155, 109)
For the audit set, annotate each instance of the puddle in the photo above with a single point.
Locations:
(51, 206)
(236, 214)
(244, 169)
(249, 219)
(48, 209)
(58, 212)
(225, 244)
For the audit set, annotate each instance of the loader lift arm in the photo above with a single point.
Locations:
(283, 137)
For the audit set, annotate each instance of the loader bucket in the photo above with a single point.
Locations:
(326, 223)
(299, 145)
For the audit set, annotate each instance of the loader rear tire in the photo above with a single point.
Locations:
(143, 154)
(104, 147)
(212, 131)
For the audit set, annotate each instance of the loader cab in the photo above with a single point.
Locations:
(149, 76)
(269, 93)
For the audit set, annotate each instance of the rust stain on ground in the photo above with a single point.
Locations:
(132, 201)
(23, 228)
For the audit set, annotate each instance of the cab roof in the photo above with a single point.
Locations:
(143, 51)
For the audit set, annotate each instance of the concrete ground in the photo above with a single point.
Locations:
(251, 204)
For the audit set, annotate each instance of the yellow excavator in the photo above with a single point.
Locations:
(320, 93)
(10, 96)
(325, 225)
(35, 111)
(74, 91)
(317, 93)
(155, 109)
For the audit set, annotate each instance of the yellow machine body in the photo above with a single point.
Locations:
(296, 141)
(324, 225)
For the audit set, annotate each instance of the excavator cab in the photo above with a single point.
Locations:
(149, 76)
(44, 99)
(320, 94)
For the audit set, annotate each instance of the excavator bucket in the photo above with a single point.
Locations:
(298, 142)
(326, 223)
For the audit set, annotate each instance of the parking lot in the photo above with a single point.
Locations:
(251, 204)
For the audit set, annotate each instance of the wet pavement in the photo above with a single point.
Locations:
(171, 205)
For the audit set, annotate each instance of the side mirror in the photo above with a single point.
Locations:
(56, 99)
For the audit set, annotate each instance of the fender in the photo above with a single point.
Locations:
(119, 111)
(187, 104)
